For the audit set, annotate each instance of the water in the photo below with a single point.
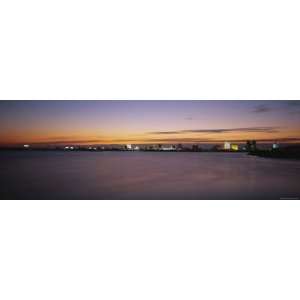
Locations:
(145, 175)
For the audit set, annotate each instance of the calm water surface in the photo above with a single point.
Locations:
(140, 175)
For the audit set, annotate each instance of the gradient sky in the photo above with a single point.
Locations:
(121, 122)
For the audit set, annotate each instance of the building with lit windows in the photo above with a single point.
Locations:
(168, 148)
(234, 147)
(227, 146)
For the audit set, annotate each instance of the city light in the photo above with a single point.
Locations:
(234, 147)
(227, 146)
(168, 148)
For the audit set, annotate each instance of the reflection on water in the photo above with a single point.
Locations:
(145, 175)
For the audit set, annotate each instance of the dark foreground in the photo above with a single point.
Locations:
(141, 175)
(285, 153)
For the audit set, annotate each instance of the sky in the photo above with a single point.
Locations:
(140, 122)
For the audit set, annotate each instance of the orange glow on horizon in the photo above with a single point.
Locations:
(147, 122)
(51, 138)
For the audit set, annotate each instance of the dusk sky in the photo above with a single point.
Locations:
(121, 122)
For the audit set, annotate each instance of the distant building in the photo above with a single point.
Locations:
(148, 148)
(168, 148)
(196, 148)
(215, 148)
(26, 146)
(69, 148)
(136, 148)
(251, 145)
(179, 147)
(227, 146)
(275, 146)
(128, 147)
(235, 147)
(155, 148)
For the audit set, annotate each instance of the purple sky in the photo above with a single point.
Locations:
(113, 122)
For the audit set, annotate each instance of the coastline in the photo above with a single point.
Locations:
(288, 153)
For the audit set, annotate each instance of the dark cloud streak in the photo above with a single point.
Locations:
(216, 141)
(219, 130)
(262, 108)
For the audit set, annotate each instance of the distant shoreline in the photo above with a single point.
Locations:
(119, 150)
(284, 153)
(279, 154)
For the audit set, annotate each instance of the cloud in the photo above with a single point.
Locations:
(292, 103)
(219, 130)
(262, 108)
(216, 141)
(64, 142)
(291, 106)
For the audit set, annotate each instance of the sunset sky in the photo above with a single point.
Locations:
(138, 122)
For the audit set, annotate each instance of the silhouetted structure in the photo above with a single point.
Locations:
(215, 148)
(251, 146)
(289, 152)
(179, 147)
(196, 148)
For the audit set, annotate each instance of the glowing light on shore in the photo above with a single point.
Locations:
(234, 147)
(227, 146)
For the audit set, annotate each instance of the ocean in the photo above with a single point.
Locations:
(145, 175)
